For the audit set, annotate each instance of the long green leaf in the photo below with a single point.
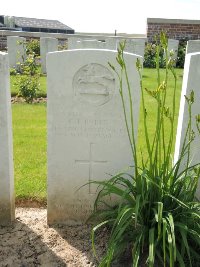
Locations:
(184, 239)
(180, 259)
(93, 235)
(171, 223)
(170, 242)
(137, 206)
(164, 240)
(113, 189)
(136, 251)
(160, 213)
(151, 247)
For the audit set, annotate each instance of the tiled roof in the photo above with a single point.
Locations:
(40, 23)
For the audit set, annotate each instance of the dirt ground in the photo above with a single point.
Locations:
(31, 242)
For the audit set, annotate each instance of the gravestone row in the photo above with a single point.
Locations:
(134, 46)
(87, 138)
(17, 47)
(17, 50)
(85, 124)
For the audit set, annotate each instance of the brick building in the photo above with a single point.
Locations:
(178, 29)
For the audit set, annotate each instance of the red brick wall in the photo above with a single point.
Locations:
(175, 29)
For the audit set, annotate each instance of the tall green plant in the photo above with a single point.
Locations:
(29, 72)
(33, 47)
(28, 87)
(157, 215)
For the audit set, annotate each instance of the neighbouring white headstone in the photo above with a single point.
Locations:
(87, 139)
(173, 46)
(111, 43)
(7, 207)
(134, 46)
(193, 46)
(71, 42)
(16, 50)
(89, 44)
(47, 45)
(191, 81)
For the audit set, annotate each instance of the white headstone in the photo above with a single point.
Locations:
(89, 44)
(87, 139)
(16, 50)
(71, 42)
(193, 46)
(7, 207)
(111, 43)
(173, 46)
(47, 45)
(134, 46)
(191, 81)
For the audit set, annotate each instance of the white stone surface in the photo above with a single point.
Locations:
(91, 44)
(173, 46)
(134, 46)
(87, 139)
(193, 46)
(111, 43)
(85, 42)
(47, 45)
(104, 42)
(71, 42)
(191, 81)
(16, 50)
(7, 208)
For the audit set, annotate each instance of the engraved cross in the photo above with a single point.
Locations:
(90, 163)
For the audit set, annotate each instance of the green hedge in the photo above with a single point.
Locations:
(150, 52)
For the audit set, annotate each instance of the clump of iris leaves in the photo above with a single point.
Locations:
(157, 216)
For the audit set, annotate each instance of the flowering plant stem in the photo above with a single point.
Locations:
(157, 214)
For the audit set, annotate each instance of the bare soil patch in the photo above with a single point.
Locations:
(18, 99)
(31, 242)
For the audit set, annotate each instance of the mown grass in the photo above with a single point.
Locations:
(30, 142)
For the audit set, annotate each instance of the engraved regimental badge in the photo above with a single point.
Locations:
(94, 84)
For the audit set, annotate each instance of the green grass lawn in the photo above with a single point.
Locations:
(29, 138)
(30, 142)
